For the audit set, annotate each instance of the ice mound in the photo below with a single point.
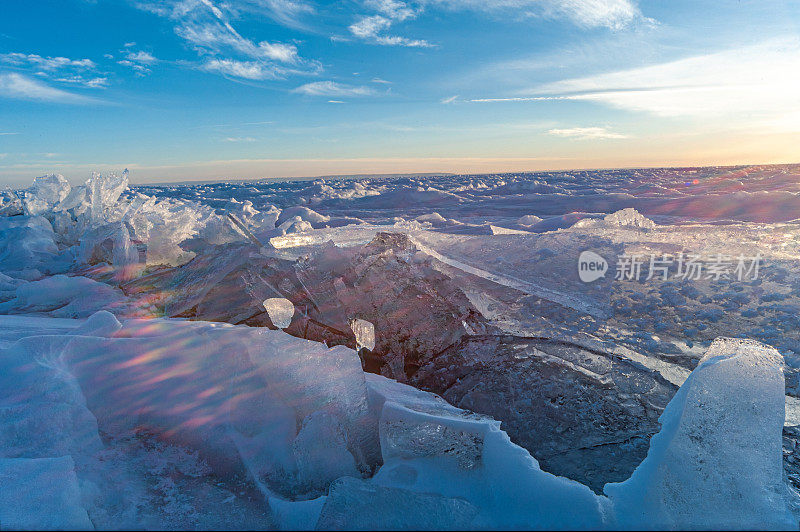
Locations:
(433, 218)
(629, 217)
(290, 412)
(10, 203)
(27, 245)
(716, 463)
(528, 219)
(303, 213)
(64, 297)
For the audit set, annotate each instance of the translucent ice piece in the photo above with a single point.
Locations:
(365, 333)
(280, 311)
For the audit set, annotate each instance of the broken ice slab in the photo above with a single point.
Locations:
(365, 333)
(716, 463)
(104, 191)
(280, 311)
(45, 193)
(10, 204)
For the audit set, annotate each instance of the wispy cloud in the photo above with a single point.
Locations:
(6, 133)
(18, 86)
(450, 99)
(59, 69)
(45, 63)
(371, 28)
(239, 139)
(207, 28)
(332, 88)
(240, 69)
(612, 14)
(586, 133)
(97, 82)
(140, 61)
(761, 80)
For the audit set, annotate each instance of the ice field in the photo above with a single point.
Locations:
(403, 353)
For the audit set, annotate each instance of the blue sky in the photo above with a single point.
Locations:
(215, 89)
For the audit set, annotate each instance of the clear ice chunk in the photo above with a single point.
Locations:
(45, 193)
(280, 311)
(365, 333)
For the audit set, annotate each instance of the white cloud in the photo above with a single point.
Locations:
(141, 57)
(451, 99)
(394, 9)
(371, 27)
(761, 80)
(332, 88)
(60, 69)
(239, 139)
(290, 13)
(240, 69)
(45, 63)
(612, 14)
(92, 83)
(18, 86)
(6, 133)
(207, 27)
(586, 133)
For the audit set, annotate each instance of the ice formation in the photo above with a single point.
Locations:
(628, 217)
(716, 463)
(482, 308)
(365, 333)
(280, 311)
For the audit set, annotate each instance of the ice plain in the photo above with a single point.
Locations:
(141, 363)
